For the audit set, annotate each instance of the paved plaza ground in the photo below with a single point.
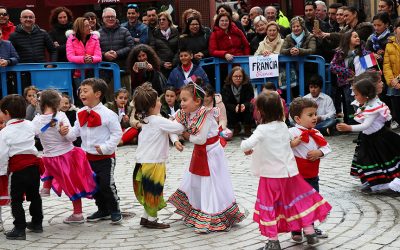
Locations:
(357, 220)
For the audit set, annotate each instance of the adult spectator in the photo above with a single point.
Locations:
(144, 66)
(193, 13)
(281, 19)
(321, 11)
(115, 43)
(310, 16)
(31, 42)
(60, 21)
(226, 40)
(255, 12)
(6, 25)
(145, 19)
(151, 14)
(332, 22)
(272, 43)
(138, 30)
(260, 24)
(247, 25)
(8, 57)
(340, 18)
(390, 7)
(271, 13)
(93, 22)
(164, 40)
(225, 8)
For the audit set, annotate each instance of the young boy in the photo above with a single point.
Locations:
(18, 156)
(308, 146)
(100, 132)
(326, 109)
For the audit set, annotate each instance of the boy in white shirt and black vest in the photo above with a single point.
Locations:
(308, 146)
(100, 132)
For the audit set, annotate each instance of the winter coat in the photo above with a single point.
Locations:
(246, 95)
(7, 51)
(382, 43)
(57, 34)
(165, 110)
(308, 45)
(118, 39)
(391, 62)
(196, 43)
(233, 42)
(31, 47)
(165, 49)
(156, 78)
(177, 78)
(139, 30)
(7, 29)
(363, 29)
(255, 42)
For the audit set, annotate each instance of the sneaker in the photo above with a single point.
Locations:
(297, 237)
(36, 228)
(394, 124)
(320, 233)
(74, 219)
(312, 239)
(45, 192)
(116, 217)
(99, 215)
(272, 245)
(156, 224)
(16, 234)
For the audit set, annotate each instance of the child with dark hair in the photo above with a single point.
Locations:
(18, 157)
(4, 195)
(121, 107)
(169, 102)
(211, 205)
(101, 132)
(376, 158)
(326, 111)
(66, 167)
(70, 111)
(278, 208)
(151, 154)
(32, 101)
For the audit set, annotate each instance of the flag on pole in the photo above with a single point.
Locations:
(361, 64)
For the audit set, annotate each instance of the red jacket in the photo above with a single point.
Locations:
(7, 29)
(233, 42)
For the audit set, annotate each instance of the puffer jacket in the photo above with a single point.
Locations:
(177, 77)
(7, 29)
(165, 49)
(308, 45)
(8, 52)
(31, 47)
(391, 62)
(57, 34)
(118, 39)
(233, 42)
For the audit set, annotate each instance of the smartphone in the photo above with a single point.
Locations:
(141, 65)
(316, 24)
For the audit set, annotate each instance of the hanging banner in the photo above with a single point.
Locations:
(264, 66)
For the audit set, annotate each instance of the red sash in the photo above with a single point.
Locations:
(307, 168)
(4, 192)
(22, 161)
(92, 157)
(199, 161)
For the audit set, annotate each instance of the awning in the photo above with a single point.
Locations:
(55, 3)
(18, 3)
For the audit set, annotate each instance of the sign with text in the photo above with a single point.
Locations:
(264, 66)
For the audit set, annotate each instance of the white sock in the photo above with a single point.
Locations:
(145, 215)
(152, 218)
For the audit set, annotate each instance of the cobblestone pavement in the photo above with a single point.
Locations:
(357, 221)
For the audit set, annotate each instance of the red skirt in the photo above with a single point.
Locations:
(4, 191)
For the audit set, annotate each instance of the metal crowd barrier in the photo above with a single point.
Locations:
(56, 75)
(298, 61)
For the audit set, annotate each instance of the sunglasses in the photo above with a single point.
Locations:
(3, 14)
(133, 6)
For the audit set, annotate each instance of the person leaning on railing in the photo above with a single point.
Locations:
(8, 57)
(272, 43)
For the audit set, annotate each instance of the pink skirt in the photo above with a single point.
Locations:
(4, 191)
(287, 204)
(70, 173)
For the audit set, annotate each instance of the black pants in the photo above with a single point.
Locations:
(395, 108)
(26, 182)
(107, 199)
(243, 117)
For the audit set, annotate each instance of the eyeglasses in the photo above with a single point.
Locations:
(109, 17)
(162, 19)
(91, 18)
(28, 17)
(133, 6)
(237, 77)
(4, 14)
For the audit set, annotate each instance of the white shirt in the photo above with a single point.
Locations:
(208, 130)
(326, 109)
(53, 143)
(107, 135)
(16, 139)
(153, 144)
(272, 156)
(303, 148)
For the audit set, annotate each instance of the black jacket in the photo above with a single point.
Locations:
(246, 94)
(165, 49)
(57, 34)
(197, 43)
(255, 42)
(31, 47)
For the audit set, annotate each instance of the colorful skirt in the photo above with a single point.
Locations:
(208, 202)
(148, 185)
(287, 204)
(377, 158)
(70, 173)
(4, 191)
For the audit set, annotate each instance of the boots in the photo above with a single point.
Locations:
(247, 130)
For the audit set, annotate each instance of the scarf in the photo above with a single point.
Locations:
(166, 33)
(194, 124)
(236, 92)
(298, 39)
(375, 39)
(272, 45)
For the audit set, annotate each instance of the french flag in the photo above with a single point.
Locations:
(361, 64)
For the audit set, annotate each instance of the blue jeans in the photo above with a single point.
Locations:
(323, 125)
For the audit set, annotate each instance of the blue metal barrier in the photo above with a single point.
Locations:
(243, 61)
(56, 75)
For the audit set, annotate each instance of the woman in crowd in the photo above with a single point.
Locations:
(260, 24)
(226, 9)
(340, 17)
(389, 7)
(247, 26)
(92, 18)
(272, 43)
(164, 40)
(300, 42)
(60, 20)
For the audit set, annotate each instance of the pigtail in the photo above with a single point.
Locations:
(144, 98)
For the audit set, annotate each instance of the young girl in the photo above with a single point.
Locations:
(65, 165)
(285, 202)
(151, 154)
(169, 102)
(32, 102)
(205, 197)
(4, 196)
(70, 111)
(121, 107)
(376, 157)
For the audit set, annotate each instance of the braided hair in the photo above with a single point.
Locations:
(50, 98)
(144, 98)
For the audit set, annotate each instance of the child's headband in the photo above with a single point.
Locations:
(198, 92)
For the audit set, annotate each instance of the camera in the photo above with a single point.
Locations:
(141, 65)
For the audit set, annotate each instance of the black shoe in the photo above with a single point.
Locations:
(16, 234)
(116, 217)
(36, 228)
(99, 215)
(312, 239)
(272, 245)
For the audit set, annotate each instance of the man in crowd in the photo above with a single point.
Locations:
(332, 22)
(320, 11)
(255, 11)
(310, 15)
(6, 25)
(152, 18)
(271, 14)
(138, 30)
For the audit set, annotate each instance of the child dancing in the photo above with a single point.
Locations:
(285, 202)
(205, 197)
(66, 167)
(151, 154)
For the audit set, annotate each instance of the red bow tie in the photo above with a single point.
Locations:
(92, 118)
(306, 133)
